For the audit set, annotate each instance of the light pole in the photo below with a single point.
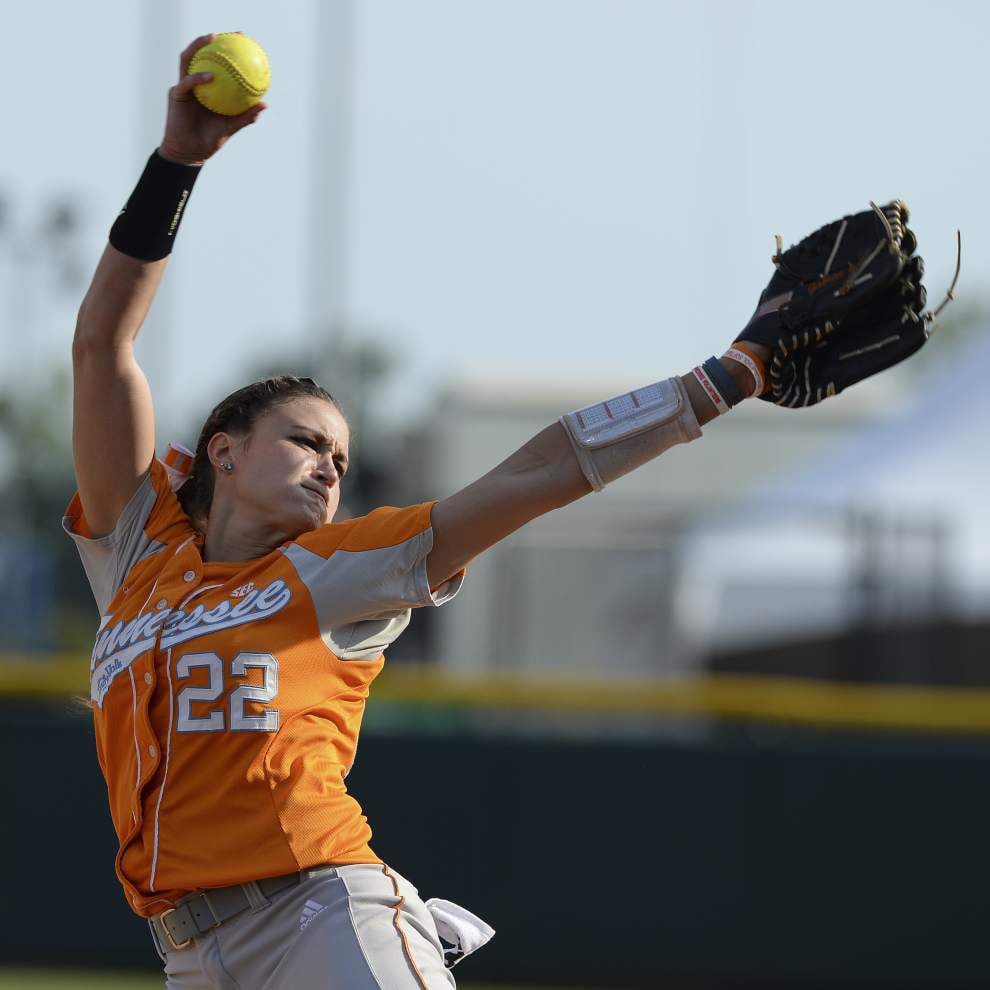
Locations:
(160, 38)
(330, 171)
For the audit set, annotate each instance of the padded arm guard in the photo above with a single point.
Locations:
(612, 438)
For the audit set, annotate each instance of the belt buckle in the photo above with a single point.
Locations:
(168, 934)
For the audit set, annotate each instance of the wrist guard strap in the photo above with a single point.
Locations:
(612, 438)
(724, 382)
(149, 221)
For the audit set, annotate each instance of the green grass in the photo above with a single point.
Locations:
(84, 979)
(87, 979)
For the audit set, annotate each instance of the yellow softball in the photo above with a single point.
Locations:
(240, 73)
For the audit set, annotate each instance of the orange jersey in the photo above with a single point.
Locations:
(228, 696)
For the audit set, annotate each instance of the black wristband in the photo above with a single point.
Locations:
(724, 382)
(148, 223)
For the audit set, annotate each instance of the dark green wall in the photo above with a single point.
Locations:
(763, 858)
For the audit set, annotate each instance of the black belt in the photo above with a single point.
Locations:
(202, 912)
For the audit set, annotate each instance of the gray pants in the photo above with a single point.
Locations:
(343, 928)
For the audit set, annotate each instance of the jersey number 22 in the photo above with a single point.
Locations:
(215, 721)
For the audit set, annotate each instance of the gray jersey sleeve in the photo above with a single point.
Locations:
(363, 597)
(108, 559)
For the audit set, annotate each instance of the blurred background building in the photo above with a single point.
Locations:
(597, 588)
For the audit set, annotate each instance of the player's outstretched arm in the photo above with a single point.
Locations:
(580, 454)
(113, 434)
(844, 303)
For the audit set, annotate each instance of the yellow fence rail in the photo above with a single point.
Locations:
(796, 701)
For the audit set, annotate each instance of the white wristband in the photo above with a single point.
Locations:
(751, 366)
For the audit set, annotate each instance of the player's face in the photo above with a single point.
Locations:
(288, 472)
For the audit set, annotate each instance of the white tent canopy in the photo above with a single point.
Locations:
(781, 564)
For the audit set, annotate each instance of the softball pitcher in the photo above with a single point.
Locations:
(241, 628)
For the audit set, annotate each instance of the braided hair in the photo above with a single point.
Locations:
(237, 414)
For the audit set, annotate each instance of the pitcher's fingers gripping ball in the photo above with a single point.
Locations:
(241, 74)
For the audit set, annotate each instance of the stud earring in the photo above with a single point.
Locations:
(227, 466)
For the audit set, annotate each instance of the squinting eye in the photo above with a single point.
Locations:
(306, 442)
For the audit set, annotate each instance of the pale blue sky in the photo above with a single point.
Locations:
(565, 186)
